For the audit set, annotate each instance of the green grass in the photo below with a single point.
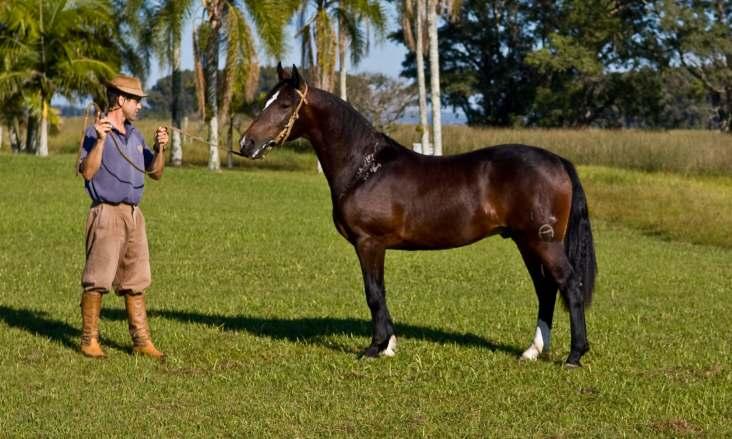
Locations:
(258, 303)
(692, 209)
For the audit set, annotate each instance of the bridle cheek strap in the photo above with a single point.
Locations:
(282, 136)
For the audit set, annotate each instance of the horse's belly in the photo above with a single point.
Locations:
(443, 227)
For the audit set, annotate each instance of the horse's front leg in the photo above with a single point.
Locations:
(371, 256)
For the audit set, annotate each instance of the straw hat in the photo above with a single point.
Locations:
(127, 84)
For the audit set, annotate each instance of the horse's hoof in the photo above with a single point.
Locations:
(370, 352)
(390, 350)
(385, 349)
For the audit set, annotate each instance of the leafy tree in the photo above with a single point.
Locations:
(51, 47)
(697, 36)
(483, 68)
(382, 100)
(583, 43)
(160, 95)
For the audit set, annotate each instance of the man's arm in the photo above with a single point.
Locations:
(158, 163)
(93, 160)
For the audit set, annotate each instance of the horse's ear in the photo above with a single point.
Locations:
(281, 73)
(297, 80)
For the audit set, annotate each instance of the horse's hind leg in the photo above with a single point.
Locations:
(371, 256)
(556, 265)
(546, 293)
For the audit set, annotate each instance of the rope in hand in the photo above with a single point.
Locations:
(94, 107)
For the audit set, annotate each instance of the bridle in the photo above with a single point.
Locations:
(282, 136)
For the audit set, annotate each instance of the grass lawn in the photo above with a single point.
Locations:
(258, 303)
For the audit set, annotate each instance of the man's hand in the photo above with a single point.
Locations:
(103, 126)
(161, 138)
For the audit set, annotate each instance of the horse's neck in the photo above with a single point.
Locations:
(342, 140)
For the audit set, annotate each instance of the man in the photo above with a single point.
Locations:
(113, 162)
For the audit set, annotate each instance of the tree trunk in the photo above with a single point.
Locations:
(200, 76)
(435, 76)
(176, 151)
(212, 70)
(342, 59)
(726, 119)
(31, 134)
(16, 143)
(42, 150)
(419, 53)
(230, 143)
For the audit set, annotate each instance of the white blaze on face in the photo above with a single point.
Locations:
(272, 99)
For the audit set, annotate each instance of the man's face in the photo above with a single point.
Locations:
(130, 107)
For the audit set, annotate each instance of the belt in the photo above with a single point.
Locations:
(97, 203)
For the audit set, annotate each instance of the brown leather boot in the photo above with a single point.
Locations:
(139, 329)
(91, 305)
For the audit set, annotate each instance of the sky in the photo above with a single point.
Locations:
(384, 57)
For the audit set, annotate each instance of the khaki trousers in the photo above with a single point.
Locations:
(117, 254)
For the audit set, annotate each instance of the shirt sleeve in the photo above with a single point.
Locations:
(90, 139)
(147, 153)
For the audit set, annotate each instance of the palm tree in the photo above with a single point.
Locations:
(413, 11)
(214, 10)
(169, 18)
(435, 75)
(450, 8)
(227, 22)
(318, 42)
(54, 47)
(328, 27)
(354, 18)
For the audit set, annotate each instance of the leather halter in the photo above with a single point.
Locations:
(282, 136)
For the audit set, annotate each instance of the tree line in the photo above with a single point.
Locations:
(580, 63)
(568, 63)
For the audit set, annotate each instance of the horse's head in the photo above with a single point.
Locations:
(276, 123)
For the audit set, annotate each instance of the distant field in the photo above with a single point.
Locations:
(684, 152)
(259, 305)
(679, 151)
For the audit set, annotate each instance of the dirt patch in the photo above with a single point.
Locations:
(676, 426)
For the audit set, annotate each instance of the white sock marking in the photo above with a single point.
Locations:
(390, 350)
(542, 339)
(272, 99)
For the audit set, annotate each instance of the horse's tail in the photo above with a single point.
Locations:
(578, 240)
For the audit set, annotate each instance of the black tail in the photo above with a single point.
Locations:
(578, 240)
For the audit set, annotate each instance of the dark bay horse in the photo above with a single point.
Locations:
(386, 196)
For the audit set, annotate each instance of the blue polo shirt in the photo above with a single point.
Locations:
(117, 181)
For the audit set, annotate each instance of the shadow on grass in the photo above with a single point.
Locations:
(314, 329)
(39, 323)
(307, 330)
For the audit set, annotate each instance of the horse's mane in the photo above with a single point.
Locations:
(356, 127)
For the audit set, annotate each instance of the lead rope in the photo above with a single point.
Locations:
(169, 128)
